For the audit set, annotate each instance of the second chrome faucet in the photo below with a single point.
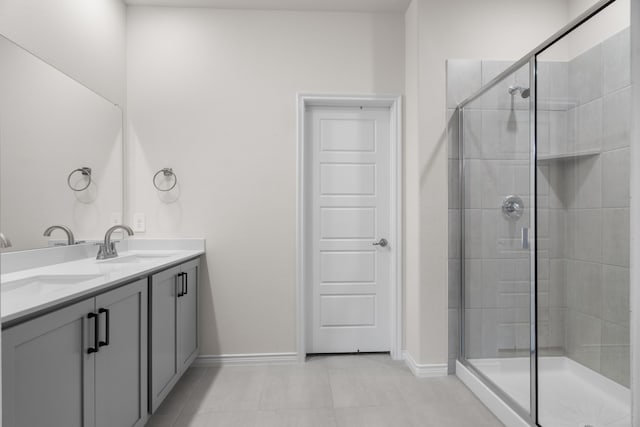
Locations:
(108, 248)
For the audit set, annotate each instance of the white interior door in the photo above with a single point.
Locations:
(350, 214)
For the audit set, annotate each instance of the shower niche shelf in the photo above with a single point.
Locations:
(546, 158)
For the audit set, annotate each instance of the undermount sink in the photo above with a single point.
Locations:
(136, 258)
(45, 283)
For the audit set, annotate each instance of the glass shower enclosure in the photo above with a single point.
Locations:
(498, 207)
(544, 225)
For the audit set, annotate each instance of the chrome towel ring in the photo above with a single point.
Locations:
(86, 172)
(167, 172)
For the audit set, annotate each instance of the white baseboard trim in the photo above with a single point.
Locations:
(425, 371)
(251, 359)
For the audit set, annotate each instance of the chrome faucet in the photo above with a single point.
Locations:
(4, 241)
(67, 230)
(108, 248)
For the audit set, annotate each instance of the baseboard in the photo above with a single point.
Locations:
(425, 371)
(251, 359)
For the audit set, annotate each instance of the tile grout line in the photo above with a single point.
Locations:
(333, 403)
(263, 387)
(192, 389)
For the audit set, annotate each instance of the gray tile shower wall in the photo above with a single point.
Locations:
(583, 209)
(592, 209)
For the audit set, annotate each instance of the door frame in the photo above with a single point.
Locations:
(303, 196)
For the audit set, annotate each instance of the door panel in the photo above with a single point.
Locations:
(347, 267)
(188, 311)
(347, 179)
(347, 223)
(165, 365)
(350, 279)
(121, 365)
(347, 310)
(347, 135)
(44, 366)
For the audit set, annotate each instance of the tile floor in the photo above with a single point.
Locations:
(358, 390)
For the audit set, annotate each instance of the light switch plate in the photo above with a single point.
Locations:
(139, 222)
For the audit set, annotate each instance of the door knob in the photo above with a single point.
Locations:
(382, 243)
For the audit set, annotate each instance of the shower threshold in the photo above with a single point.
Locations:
(569, 394)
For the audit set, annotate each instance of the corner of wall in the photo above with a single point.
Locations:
(422, 370)
(411, 196)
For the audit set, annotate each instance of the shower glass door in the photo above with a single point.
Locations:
(583, 124)
(545, 225)
(498, 236)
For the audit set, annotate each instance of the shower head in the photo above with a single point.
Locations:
(524, 91)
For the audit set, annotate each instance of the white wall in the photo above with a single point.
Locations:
(411, 184)
(610, 21)
(618, 12)
(212, 94)
(83, 38)
(492, 29)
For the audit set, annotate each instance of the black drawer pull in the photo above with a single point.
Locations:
(181, 293)
(186, 283)
(96, 332)
(107, 325)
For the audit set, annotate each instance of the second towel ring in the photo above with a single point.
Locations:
(85, 171)
(167, 172)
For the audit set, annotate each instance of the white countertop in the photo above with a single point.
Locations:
(33, 290)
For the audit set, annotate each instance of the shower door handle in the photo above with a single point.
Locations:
(525, 238)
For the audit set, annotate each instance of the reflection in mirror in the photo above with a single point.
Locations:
(51, 126)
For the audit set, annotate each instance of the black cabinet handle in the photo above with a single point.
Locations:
(186, 283)
(181, 293)
(107, 324)
(96, 332)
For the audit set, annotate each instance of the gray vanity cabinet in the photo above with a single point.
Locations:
(52, 375)
(174, 327)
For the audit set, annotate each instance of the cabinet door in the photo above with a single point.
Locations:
(188, 315)
(121, 361)
(47, 374)
(165, 369)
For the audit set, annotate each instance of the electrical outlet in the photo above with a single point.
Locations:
(116, 218)
(139, 222)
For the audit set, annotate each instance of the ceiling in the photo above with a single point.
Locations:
(317, 5)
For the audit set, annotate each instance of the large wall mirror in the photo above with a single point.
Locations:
(51, 126)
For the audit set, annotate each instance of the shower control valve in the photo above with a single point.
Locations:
(512, 207)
